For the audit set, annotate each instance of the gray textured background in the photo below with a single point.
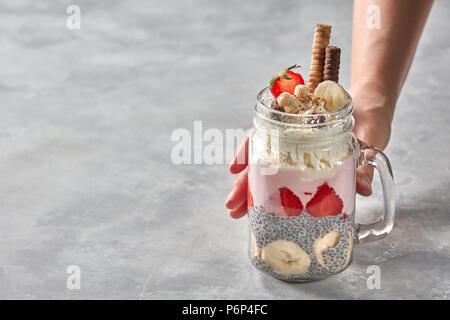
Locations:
(85, 170)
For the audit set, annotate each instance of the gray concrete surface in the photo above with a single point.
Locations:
(86, 176)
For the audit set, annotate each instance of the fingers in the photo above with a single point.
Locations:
(364, 176)
(372, 126)
(240, 158)
(238, 193)
(237, 199)
(240, 211)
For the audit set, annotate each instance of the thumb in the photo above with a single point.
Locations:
(374, 129)
(364, 177)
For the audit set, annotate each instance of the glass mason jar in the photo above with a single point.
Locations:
(302, 190)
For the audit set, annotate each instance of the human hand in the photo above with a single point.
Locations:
(373, 117)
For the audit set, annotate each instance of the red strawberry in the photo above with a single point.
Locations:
(249, 198)
(285, 81)
(290, 202)
(325, 202)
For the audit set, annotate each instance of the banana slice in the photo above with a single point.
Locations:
(334, 95)
(331, 240)
(256, 250)
(286, 256)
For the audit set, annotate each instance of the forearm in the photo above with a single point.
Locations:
(381, 57)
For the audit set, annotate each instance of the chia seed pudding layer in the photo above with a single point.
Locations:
(303, 230)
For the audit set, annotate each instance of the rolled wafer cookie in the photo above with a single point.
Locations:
(321, 40)
(332, 62)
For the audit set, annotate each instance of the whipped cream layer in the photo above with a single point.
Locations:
(289, 150)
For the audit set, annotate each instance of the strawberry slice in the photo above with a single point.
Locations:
(249, 198)
(285, 81)
(325, 202)
(290, 202)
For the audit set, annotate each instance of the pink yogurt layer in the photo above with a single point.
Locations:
(265, 188)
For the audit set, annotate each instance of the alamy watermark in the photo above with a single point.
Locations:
(213, 146)
(374, 17)
(374, 279)
(73, 281)
(210, 146)
(73, 21)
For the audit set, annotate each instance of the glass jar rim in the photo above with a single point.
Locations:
(336, 116)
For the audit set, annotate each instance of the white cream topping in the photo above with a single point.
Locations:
(317, 161)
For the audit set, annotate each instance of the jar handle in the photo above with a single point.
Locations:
(381, 228)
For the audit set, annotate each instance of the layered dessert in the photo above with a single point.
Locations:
(301, 193)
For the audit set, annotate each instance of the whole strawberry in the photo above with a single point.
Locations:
(285, 81)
